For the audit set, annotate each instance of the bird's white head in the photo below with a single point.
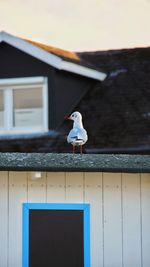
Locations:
(77, 118)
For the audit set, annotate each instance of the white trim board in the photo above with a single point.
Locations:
(21, 81)
(47, 57)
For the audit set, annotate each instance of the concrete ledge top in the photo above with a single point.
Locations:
(74, 163)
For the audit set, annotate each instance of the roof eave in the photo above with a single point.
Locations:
(30, 49)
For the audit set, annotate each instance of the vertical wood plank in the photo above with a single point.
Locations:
(145, 205)
(112, 220)
(131, 220)
(74, 187)
(36, 188)
(93, 195)
(17, 195)
(56, 187)
(3, 218)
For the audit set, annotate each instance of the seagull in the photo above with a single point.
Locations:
(78, 135)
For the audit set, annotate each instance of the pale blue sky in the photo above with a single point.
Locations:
(79, 25)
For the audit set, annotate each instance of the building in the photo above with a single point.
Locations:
(115, 190)
(59, 209)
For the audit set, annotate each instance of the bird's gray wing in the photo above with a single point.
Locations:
(82, 134)
(77, 135)
(72, 136)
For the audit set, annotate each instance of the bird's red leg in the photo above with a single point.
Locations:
(73, 149)
(81, 149)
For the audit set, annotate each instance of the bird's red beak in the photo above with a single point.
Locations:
(68, 118)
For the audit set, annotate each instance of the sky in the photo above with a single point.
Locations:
(79, 25)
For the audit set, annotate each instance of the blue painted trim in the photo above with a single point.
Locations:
(87, 235)
(25, 235)
(56, 206)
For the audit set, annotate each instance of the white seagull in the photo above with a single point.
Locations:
(78, 135)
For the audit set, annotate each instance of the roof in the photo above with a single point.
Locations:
(76, 163)
(58, 58)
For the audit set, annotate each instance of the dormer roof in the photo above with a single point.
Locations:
(56, 57)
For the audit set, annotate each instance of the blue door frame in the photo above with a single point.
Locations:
(55, 206)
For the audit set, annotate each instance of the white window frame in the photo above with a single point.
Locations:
(8, 85)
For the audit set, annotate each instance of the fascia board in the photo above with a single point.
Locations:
(31, 49)
(78, 69)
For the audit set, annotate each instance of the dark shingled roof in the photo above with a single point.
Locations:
(116, 112)
(120, 106)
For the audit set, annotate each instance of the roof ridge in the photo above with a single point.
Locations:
(55, 50)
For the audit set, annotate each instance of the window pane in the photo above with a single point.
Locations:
(1, 109)
(27, 107)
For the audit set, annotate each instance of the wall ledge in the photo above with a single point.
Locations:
(74, 163)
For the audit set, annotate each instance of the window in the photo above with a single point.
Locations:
(23, 105)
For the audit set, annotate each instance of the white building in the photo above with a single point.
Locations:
(117, 189)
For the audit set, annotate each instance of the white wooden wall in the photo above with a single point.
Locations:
(120, 213)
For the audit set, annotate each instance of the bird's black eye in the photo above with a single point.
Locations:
(72, 115)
